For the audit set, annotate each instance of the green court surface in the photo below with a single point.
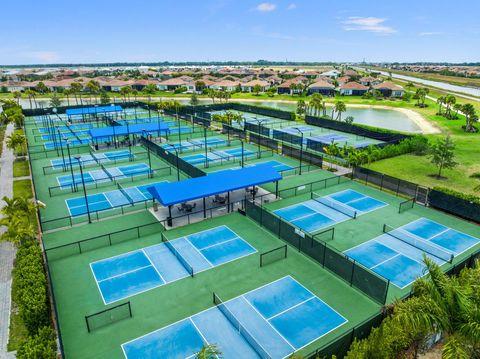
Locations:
(77, 294)
(353, 232)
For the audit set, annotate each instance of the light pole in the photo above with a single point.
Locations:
(301, 148)
(148, 152)
(84, 189)
(61, 147)
(70, 164)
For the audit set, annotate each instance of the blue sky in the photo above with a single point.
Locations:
(62, 31)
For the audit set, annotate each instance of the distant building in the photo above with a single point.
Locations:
(353, 89)
(322, 87)
(389, 89)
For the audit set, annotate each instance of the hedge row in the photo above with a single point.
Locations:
(31, 286)
(467, 197)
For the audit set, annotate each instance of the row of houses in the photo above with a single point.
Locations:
(349, 84)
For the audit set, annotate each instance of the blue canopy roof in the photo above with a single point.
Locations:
(138, 128)
(93, 110)
(214, 183)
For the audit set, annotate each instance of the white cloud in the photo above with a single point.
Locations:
(266, 7)
(431, 33)
(371, 24)
(292, 6)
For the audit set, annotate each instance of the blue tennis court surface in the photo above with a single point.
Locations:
(398, 254)
(272, 321)
(141, 270)
(108, 200)
(101, 176)
(279, 166)
(322, 212)
(329, 138)
(214, 156)
(194, 144)
(72, 143)
(89, 159)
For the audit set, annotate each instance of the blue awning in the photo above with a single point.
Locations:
(214, 183)
(93, 110)
(139, 128)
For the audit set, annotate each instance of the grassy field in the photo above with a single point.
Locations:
(22, 188)
(20, 168)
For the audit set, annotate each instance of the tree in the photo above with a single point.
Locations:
(340, 107)
(442, 154)
(316, 103)
(16, 140)
(349, 119)
(125, 91)
(194, 99)
(450, 101)
(447, 305)
(470, 117)
(293, 87)
(104, 98)
(76, 88)
(332, 150)
(55, 100)
(212, 94)
(17, 95)
(31, 95)
(199, 85)
(410, 85)
(301, 107)
(93, 87)
(209, 351)
(67, 92)
(149, 90)
(41, 88)
(257, 89)
(457, 108)
(440, 101)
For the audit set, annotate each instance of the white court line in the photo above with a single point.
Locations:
(293, 306)
(386, 260)
(153, 265)
(121, 274)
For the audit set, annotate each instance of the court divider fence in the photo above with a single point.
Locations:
(273, 255)
(104, 240)
(406, 205)
(105, 182)
(187, 168)
(352, 272)
(461, 207)
(108, 316)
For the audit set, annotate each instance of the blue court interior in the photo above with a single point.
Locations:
(93, 158)
(272, 321)
(141, 270)
(193, 144)
(108, 200)
(398, 255)
(322, 212)
(90, 177)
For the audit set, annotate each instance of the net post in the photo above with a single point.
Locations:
(88, 325)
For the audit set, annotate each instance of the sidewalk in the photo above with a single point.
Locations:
(7, 251)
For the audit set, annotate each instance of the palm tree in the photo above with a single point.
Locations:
(31, 96)
(18, 232)
(450, 100)
(17, 95)
(149, 90)
(339, 108)
(316, 103)
(440, 101)
(67, 93)
(93, 87)
(15, 140)
(447, 305)
(470, 117)
(209, 351)
(332, 150)
(76, 88)
(457, 108)
(212, 94)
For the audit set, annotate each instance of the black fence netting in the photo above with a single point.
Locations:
(455, 205)
(264, 141)
(352, 272)
(257, 128)
(287, 137)
(108, 316)
(233, 131)
(313, 158)
(187, 168)
(355, 129)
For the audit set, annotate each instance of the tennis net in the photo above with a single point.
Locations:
(425, 246)
(106, 171)
(119, 186)
(177, 255)
(241, 329)
(340, 207)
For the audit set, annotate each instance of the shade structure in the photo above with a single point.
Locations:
(93, 110)
(104, 132)
(214, 183)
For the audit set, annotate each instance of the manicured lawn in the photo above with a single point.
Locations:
(22, 188)
(20, 168)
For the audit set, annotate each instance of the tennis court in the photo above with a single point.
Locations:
(194, 144)
(108, 200)
(53, 145)
(104, 175)
(135, 272)
(323, 211)
(271, 321)
(398, 253)
(93, 158)
(214, 156)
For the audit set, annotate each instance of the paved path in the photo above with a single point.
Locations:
(7, 251)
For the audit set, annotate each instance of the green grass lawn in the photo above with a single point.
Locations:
(22, 188)
(20, 168)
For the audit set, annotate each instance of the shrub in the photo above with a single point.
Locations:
(31, 287)
(41, 345)
(464, 196)
(180, 89)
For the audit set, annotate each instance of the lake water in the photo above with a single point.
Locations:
(389, 119)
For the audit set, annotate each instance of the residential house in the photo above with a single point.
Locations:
(353, 89)
(322, 87)
(249, 86)
(332, 74)
(174, 83)
(389, 89)
(285, 87)
(370, 81)
(225, 85)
